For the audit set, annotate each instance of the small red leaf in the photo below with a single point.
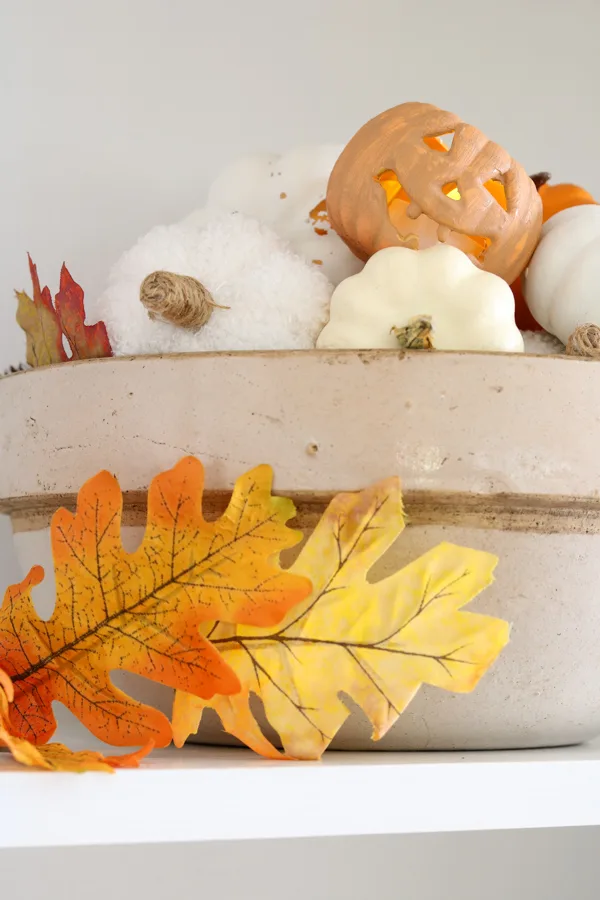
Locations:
(85, 341)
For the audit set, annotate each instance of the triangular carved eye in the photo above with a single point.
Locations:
(495, 187)
(392, 187)
(451, 191)
(441, 142)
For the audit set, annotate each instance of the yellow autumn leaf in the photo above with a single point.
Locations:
(376, 642)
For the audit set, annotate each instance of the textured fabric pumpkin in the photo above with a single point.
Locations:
(439, 196)
(269, 298)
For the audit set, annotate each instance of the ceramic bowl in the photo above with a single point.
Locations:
(498, 452)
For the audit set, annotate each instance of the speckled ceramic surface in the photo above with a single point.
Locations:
(491, 454)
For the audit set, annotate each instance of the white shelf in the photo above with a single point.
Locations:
(210, 794)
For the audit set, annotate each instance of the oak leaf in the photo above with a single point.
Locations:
(141, 611)
(57, 757)
(45, 323)
(375, 642)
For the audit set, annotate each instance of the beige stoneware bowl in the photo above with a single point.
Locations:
(498, 452)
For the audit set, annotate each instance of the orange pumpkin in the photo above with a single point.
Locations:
(555, 197)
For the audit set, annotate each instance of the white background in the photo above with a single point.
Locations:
(114, 117)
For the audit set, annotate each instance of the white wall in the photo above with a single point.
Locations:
(116, 113)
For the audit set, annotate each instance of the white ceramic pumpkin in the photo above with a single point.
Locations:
(562, 281)
(467, 308)
(475, 438)
(287, 193)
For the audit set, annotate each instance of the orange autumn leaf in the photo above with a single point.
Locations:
(57, 757)
(375, 641)
(141, 611)
(45, 323)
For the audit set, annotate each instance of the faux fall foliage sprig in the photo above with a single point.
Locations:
(205, 608)
(142, 611)
(47, 323)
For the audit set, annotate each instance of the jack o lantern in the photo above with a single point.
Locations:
(397, 184)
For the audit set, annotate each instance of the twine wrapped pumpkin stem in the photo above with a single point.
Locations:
(585, 341)
(178, 299)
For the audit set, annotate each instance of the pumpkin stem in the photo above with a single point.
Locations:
(540, 179)
(585, 341)
(416, 335)
(177, 299)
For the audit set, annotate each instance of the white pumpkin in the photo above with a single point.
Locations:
(270, 298)
(282, 192)
(562, 281)
(469, 309)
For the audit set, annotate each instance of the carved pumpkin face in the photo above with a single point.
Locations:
(397, 184)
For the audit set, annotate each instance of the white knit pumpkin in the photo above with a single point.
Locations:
(275, 300)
